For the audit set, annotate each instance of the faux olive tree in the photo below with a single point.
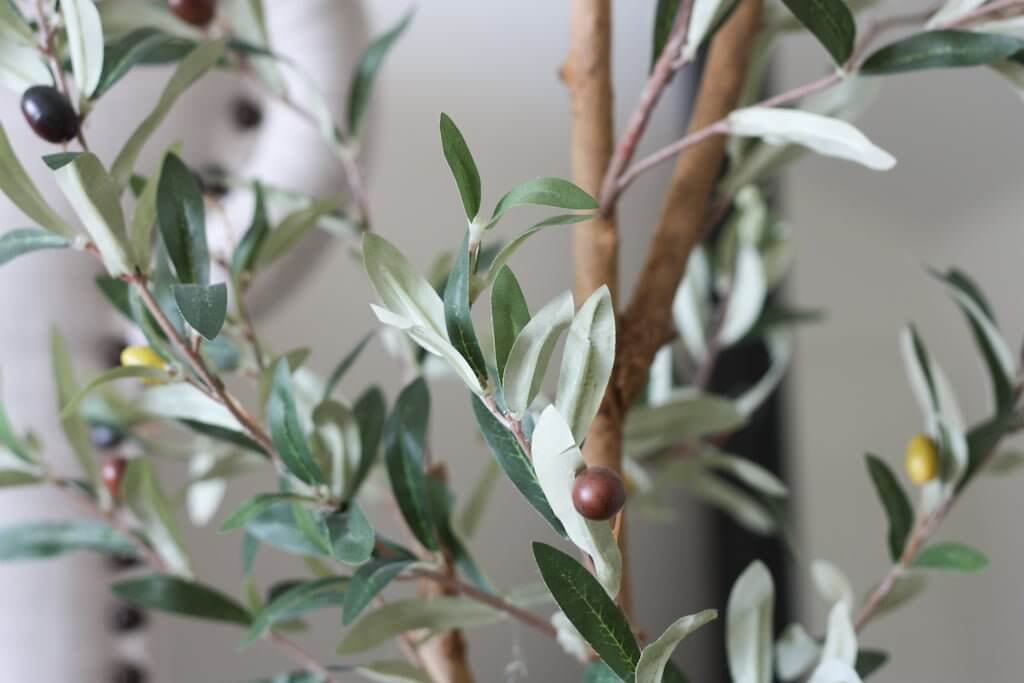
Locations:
(630, 416)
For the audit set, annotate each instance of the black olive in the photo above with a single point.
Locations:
(126, 618)
(50, 113)
(246, 113)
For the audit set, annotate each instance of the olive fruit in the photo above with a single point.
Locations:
(598, 493)
(119, 563)
(112, 472)
(126, 672)
(921, 460)
(196, 12)
(246, 113)
(141, 356)
(50, 113)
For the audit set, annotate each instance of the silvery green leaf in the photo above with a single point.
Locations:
(690, 308)
(463, 168)
(37, 540)
(952, 10)
(143, 496)
(509, 315)
(557, 460)
(400, 286)
(834, 671)
(13, 27)
(15, 183)
(337, 441)
(296, 601)
(895, 502)
(194, 65)
(140, 231)
(942, 49)
(286, 430)
(745, 470)
(952, 557)
(26, 240)
(22, 66)
(747, 511)
(73, 403)
(656, 655)
(248, 23)
(659, 377)
(291, 230)
(399, 616)
(434, 343)
(748, 626)
(938, 403)
(1002, 365)
(831, 583)
(182, 401)
(703, 18)
(688, 414)
(587, 362)
(795, 653)
(85, 43)
(822, 134)
(366, 72)
(906, 587)
(840, 636)
(780, 348)
(74, 426)
(530, 353)
(746, 296)
(124, 16)
(204, 496)
(555, 192)
(94, 196)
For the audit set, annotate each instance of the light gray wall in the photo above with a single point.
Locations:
(863, 242)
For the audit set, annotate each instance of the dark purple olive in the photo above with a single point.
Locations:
(127, 618)
(50, 113)
(598, 493)
(196, 12)
(246, 113)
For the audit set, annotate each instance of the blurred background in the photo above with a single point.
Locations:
(863, 240)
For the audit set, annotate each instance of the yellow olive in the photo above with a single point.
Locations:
(922, 459)
(141, 356)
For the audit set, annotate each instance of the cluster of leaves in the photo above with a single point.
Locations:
(164, 278)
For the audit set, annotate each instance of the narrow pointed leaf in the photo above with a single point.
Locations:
(85, 43)
(555, 192)
(344, 365)
(248, 250)
(141, 492)
(955, 557)
(748, 626)
(182, 221)
(286, 431)
(399, 616)
(366, 72)
(529, 356)
(366, 583)
(587, 362)
(894, 501)
(26, 240)
(585, 602)
(941, 50)
(16, 184)
(401, 288)
(184, 598)
(295, 602)
(830, 21)
(405, 439)
(458, 317)
(655, 657)
(95, 198)
(509, 315)
(352, 538)
(255, 506)
(460, 161)
(370, 412)
(39, 540)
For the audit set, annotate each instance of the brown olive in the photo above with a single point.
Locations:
(112, 472)
(195, 12)
(50, 113)
(598, 493)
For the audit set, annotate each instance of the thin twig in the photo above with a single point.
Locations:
(664, 69)
(51, 52)
(300, 656)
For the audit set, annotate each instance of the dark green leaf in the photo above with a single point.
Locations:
(60, 159)
(1002, 385)
(467, 178)
(279, 526)
(870, 661)
(983, 439)
(142, 46)
(457, 316)
(514, 462)
(296, 601)
(941, 50)
(404, 441)
(255, 506)
(343, 367)
(227, 435)
(286, 432)
(894, 500)
(351, 535)
(545, 192)
(182, 221)
(366, 583)
(442, 503)
(509, 314)
(664, 20)
(117, 294)
(366, 72)
(955, 557)
(204, 307)
(185, 598)
(585, 602)
(831, 23)
(26, 240)
(598, 672)
(36, 540)
(370, 411)
(248, 249)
